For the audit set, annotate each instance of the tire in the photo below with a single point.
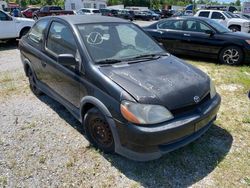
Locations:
(234, 28)
(231, 55)
(98, 131)
(32, 82)
(35, 17)
(24, 32)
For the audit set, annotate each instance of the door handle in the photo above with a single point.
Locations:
(43, 64)
(187, 35)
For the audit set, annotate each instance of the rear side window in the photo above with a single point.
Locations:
(36, 34)
(217, 15)
(61, 40)
(204, 14)
(96, 11)
(171, 24)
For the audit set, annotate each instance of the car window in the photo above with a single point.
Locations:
(36, 33)
(217, 15)
(204, 14)
(45, 9)
(96, 11)
(171, 24)
(60, 40)
(196, 26)
(3, 16)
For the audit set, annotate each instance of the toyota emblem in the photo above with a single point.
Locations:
(196, 99)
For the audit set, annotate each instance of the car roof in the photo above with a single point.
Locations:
(85, 19)
(187, 18)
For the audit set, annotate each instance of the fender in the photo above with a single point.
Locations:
(98, 104)
(26, 64)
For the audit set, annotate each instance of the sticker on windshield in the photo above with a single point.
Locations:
(94, 38)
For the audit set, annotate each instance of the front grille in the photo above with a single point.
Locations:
(190, 108)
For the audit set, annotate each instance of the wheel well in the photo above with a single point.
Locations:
(23, 29)
(26, 68)
(85, 108)
(235, 26)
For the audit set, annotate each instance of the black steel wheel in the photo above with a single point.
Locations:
(231, 55)
(98, 131)
(32, 82)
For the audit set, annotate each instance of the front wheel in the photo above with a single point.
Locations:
(234, 28)
(231, 55)
(98, 131)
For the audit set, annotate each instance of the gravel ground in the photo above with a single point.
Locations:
(42, 145)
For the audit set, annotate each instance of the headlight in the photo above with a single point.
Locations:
(248, 41)
(144, 113)
(212, 89)
(246, 24)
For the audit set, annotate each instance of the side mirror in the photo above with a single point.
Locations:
(209, 32)
(66, 59)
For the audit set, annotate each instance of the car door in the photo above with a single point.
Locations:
(63, 80)
(7, 26)
(171, 34)
(199, 38)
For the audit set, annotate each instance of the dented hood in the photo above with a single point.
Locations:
(167, 81)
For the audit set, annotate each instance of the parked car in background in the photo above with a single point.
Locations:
(168, 13)
(142, 15)
(125, 14)
(131, 96)
(153, 15)
(243, 16)
(203, 37)
(12, 27)
(28, 13)
(88, 11)
(226, 19)
(50, 11)
(183, 13)
(105, 12)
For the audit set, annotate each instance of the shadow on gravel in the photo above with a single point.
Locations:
(8, 45)
(62, 112)
(180, 168)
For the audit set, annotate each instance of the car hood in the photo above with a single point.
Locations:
(24, 20)
(239, 35)
(238, 20)
(167, 81)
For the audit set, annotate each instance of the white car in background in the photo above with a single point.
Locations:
(88, 11)
(13, 27)
(227, 19)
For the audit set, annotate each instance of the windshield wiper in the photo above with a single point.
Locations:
(148, 56)
(108, 61)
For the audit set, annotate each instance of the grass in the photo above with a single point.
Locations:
(12, 83)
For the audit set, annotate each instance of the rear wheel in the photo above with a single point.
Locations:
(98, 131)
(231, 55)
(32, 82)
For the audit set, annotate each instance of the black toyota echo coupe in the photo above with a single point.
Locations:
(131, 96)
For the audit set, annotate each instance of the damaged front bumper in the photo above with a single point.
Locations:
(143, 143)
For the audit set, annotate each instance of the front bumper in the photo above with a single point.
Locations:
(245, 29)
(142, 143)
